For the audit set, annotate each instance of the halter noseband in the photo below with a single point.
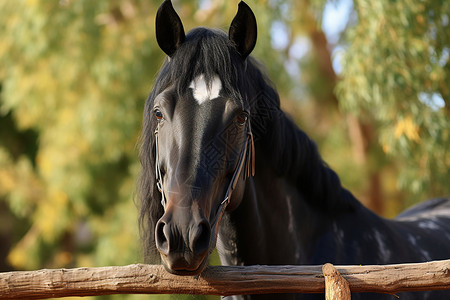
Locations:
(246, 162)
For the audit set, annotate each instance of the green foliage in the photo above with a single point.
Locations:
(76, 72)
(395, 69)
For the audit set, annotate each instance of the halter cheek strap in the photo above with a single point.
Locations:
(159, 182)
(246, 163)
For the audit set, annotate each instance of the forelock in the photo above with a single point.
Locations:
(206, 52)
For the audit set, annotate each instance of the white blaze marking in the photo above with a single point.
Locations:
(202, 92)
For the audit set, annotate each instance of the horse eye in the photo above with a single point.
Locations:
(158, 114)
(242, 119)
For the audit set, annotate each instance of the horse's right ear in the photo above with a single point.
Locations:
(169, 29)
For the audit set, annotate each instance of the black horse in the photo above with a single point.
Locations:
(223, 165)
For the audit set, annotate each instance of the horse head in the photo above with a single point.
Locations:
(198, 126)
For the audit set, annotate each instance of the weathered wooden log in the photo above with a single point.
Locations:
(336, 287)
(150, 279)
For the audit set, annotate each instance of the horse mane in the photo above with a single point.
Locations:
(291, 153)
(209, 52)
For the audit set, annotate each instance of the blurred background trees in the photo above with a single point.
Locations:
(369, 81)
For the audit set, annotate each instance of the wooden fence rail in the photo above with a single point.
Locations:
(224, 281)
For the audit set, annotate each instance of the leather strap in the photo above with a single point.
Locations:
(159, 182)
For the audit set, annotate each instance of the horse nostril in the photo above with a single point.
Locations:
(201, 238)
(162, 241)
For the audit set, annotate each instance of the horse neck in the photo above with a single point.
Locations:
(272, 225)
(288, 202)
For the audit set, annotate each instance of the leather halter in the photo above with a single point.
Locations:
(246, 163)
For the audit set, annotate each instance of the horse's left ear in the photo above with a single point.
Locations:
(243, 30)
(169, 28)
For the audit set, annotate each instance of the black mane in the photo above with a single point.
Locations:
(292, 153)
(289, 151)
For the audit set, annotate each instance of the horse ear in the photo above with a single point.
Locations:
(169, 29)
(243, 30)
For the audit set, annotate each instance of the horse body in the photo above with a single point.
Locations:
(283, 226)
(210, 111)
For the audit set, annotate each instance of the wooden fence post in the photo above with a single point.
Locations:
(336, 287)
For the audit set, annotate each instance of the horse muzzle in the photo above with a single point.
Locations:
(183, 239)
